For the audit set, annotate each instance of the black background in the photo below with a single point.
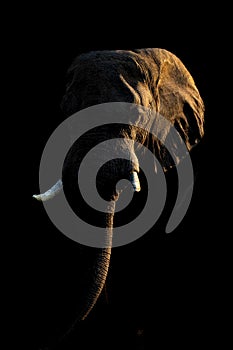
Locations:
(160, 289)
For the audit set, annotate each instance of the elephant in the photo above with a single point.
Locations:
(152, 78)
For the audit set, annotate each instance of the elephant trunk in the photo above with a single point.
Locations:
(97, 266)
(91, 271)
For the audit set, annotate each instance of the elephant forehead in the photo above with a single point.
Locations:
(108, 76)
(154, 78)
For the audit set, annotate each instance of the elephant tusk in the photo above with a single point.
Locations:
(135, 181)
(53, 191)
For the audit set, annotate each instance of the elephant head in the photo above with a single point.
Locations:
(152, 78)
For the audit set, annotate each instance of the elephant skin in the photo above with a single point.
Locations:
(153, 78)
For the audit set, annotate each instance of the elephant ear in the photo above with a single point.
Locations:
(179, 98)
(176, 97)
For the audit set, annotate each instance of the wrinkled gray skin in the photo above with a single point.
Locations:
(154, 78)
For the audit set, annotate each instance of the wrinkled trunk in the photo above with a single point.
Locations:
(91, 273)
(95, 274)
(92, 263)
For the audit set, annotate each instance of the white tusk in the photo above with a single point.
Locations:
(53, 191)
(135, 181)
